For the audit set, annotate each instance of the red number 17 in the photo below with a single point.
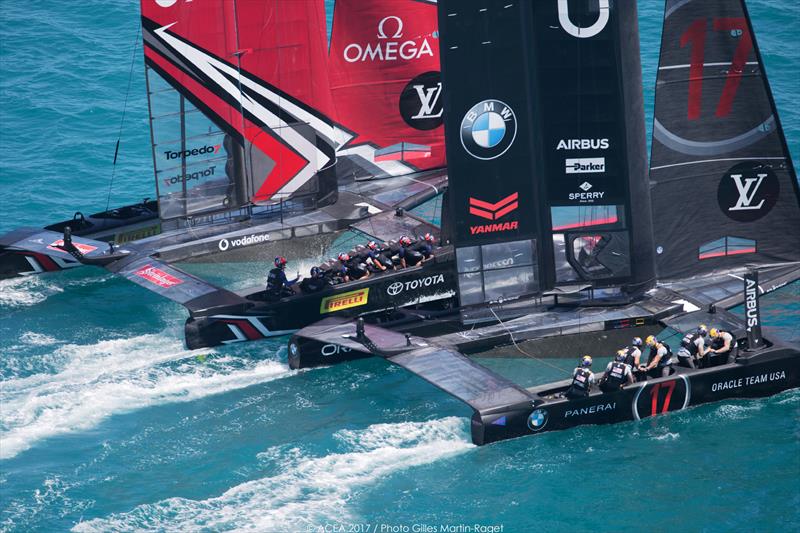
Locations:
(696, 35)
(670, 386)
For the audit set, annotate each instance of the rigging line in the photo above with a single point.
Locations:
(124, 109)
(523, 352)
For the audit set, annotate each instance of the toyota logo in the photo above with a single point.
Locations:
(395, 288)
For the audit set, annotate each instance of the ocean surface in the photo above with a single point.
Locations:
(108, 424)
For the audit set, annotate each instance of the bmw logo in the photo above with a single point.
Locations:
(488, 129)
(537, 419)
(293, 349)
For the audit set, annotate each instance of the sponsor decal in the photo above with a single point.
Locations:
(333, 349)
(421, 102)
(583, 144)
(751, 303)
(249, 240)
(488, 129)
(537, 419)
(583, 32)
(398, 286)
(482, 209)
(345, 300)
(500, 421)
(390, 45)
(190, 176)
(658, 398)
(586, 197)
(83, 248)
(293, 349)
(208, 149)
(590, 410)
(748, 191)
(158, 276)
(593, 165)
(739, 383)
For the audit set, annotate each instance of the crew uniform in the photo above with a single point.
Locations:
(692, 348)
(408, 255)
(660, 359)
(617, 374)
(723, 346)
(277, 285)
(355, 268)
(315, 283)
(582, 380)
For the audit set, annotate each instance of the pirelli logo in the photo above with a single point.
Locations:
(345, 300)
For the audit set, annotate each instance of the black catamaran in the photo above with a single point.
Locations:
(550, 204)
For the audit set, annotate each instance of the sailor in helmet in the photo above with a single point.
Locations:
(582, 380)
(693, 347)
(723, 345)
(425, 247)
(314, 283)
(633, 353)
(277, 285)
(374, 259)
(408, 255)
(618, 373)
(660, 360)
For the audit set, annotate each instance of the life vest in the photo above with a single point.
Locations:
(616, 376)
(581, 380)
(629, 358)
(688, 343)
(275, 280)
(665, 359)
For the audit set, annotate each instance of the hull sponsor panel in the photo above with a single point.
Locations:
(347, 300)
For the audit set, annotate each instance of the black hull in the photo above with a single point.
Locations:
(430, 288)
(763, 374)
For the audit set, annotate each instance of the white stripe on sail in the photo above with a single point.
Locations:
(715, 160)
(723, 64)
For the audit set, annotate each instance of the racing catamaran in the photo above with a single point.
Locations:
(561, 242)
(269, 126)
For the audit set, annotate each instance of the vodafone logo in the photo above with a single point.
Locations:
(258, 238)
(389, 45)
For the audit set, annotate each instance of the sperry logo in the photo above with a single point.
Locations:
(158, 276)
(585, 186)
(747, 192)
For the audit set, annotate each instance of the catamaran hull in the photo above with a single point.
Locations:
(765, 374)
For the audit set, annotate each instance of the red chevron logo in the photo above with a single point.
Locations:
(495, 211)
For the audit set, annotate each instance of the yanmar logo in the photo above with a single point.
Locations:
(494, 211)
(209, 149)
(390, 46)
(158, 276)
(345, 300)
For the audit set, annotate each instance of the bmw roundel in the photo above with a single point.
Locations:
(537, 419)
(488, 129)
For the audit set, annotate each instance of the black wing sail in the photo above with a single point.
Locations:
(723, 188)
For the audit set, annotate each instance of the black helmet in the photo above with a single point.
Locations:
(315, 271)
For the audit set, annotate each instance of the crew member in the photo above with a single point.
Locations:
(425, 247)
(693, 347)
(617, 375)
(582, 380)
(277, 285)
(355, 268)
(408, 255)
(374, 258)
(660, 360)
(315, 283)
(633, 353)
(723, 345)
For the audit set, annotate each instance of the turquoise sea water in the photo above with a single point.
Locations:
(107, 423)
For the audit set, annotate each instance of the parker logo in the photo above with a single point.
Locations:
(488, 129)
(209, 149)
(158, 276)
(84, 248)
(390, 46)
(421, 102)
(345, 300)
(748, 191)
(595, 165)
(494, 211)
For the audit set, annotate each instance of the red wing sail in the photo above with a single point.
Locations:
(386, 83)
(250, 77)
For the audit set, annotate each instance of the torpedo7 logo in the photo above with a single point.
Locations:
(495, 211)
(209, 149)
